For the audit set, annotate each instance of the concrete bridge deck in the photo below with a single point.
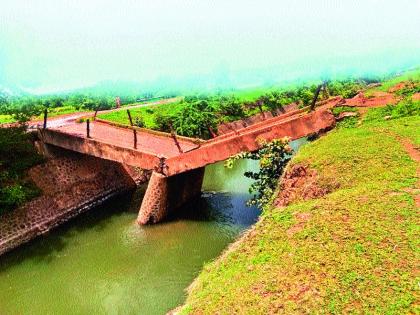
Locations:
(151, 143)
(159, 151)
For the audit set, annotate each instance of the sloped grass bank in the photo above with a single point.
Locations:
(353, 250)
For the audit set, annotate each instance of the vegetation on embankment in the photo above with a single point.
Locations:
(405, 80)
(25, 107)
(17, 156)
(199, 115)
(352, 250)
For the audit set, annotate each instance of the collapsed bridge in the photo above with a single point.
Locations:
(177, 163)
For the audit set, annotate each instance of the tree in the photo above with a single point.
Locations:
(231, 107)
(273, 100)
(195, 120)
(26, 111)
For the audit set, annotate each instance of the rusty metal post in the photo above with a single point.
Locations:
(135, 139)
(88, 128)
(45, 118)
(173, 134)
(129, 117)
(212, 133)
(96, 112)
(134, 130)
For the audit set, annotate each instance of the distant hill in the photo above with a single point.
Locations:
(11, 91)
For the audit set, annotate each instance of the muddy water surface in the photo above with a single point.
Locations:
(102, 263)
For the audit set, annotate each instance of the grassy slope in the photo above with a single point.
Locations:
(358, 250)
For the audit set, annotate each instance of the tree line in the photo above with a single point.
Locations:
(199, 115)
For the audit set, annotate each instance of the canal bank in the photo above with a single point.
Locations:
(71, 183)
(351, 250)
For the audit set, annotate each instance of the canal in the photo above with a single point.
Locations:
(102, 263)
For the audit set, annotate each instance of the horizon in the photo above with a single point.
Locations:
(56, 46)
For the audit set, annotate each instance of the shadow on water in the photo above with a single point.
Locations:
(223, 208)
(219, 207)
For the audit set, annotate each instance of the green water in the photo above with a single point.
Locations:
(102, 263)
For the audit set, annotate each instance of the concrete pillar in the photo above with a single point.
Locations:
(165, 194)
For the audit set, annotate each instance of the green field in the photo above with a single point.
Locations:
(121, 116)
(357, 250)
(4, 119)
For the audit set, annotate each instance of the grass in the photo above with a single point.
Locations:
(147, 114)
(57, 111)
(250, 95)
(358, 250)
(5, 119)
(121, 116)
(342, 109)
(51, 113)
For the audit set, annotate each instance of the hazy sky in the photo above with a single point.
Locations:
(48, 45)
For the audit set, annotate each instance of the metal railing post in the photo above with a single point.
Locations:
(129, 117)
(134, 130)
(173, 134)
(135, 138)
(45, 118)
(88, 128)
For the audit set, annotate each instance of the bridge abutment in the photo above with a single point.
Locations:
(165, 194)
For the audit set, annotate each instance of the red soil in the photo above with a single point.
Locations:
(416, 97)
(397, 87)
(379, 99)
(301, 183)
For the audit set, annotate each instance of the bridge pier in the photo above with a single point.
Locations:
(165, 194)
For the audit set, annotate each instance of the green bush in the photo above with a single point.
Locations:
(348, 122)
(405, 108)
(346, 88)
(17, 156)
(229, 107)
(273, 157)
(15, 195)
(342, 109)
(195, 120)
(139, 122)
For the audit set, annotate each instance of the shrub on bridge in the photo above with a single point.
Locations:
(195, 120)
(273, 157)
